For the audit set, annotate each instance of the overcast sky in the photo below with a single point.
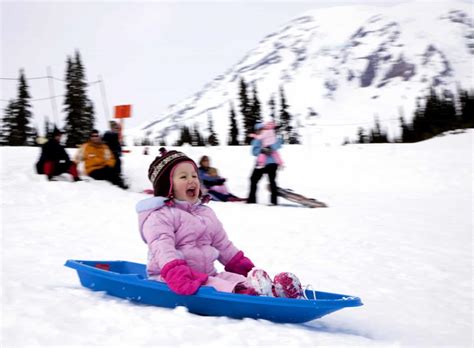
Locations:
(149, 54)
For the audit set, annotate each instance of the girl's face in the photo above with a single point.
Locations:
(186, 184)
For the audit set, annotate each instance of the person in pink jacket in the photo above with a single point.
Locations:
(185, 237)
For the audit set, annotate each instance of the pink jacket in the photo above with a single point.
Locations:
(182, 230)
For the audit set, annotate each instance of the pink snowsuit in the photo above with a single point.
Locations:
(220, 188)
(181, 230)
(268, 137)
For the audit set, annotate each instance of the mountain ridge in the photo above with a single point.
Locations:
(370, 62)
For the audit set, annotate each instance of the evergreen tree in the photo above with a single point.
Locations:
(146, 141)
(48, 128)
(466, 101)
(274, 114)
(285, 116)
(8, 122)
(88, 118)
(245, 110)
(437, 116)
(255, 108)
(361, 136)
(234, 130)
(440, 113)
(79, 109)
(272, 105)
(162, 142)
(185, 137)
(73, 121)
(377, 135)
(407, 132)
(197, 139)
(294, 138)
(17, 117)
(447, 113)
(212, 139)
(420, 124)
(34, 137)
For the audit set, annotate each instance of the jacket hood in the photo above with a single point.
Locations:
(147, 206)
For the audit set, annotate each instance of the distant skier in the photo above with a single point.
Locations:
(54, 159)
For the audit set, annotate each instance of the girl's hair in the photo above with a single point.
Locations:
(203, 158)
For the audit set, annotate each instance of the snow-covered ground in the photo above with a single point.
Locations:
(398, 234)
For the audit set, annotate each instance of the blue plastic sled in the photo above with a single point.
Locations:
(128, 280)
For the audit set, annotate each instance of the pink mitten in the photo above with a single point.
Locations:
(181, 278)
(239, 264)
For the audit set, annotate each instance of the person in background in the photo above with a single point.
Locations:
(112, 139)
(213, 184)
(162, 151)
(54, 159)
(270, 167)
(222, 188)
(98, 160)
(185, 238)
(268, 137)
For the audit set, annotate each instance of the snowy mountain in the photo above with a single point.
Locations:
(340, 68)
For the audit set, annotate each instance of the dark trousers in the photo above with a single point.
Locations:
(270, 170)
(107, 173)
(118, 164)
(52, 168)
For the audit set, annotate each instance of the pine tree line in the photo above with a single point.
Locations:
(16, 129)
(193, 136)
(250, 109)
(439, 113)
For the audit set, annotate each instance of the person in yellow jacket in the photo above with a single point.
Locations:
(98, 160)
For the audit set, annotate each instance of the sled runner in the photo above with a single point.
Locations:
(300, 199)
(127, 280)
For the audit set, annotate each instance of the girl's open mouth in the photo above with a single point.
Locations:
(191, 192)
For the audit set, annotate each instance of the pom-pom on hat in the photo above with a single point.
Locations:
(161, 170)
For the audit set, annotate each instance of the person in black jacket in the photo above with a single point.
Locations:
(54, 159)
(112, 139)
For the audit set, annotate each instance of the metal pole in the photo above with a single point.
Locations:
(104, 99)
(51, 93)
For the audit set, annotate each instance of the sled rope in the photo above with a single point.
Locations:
(309, 287)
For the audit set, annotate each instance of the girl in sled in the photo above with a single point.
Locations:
(185, 237)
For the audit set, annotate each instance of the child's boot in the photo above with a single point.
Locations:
(287, 285)
(259, 280)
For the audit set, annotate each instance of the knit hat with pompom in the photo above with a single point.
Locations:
(161, 170)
